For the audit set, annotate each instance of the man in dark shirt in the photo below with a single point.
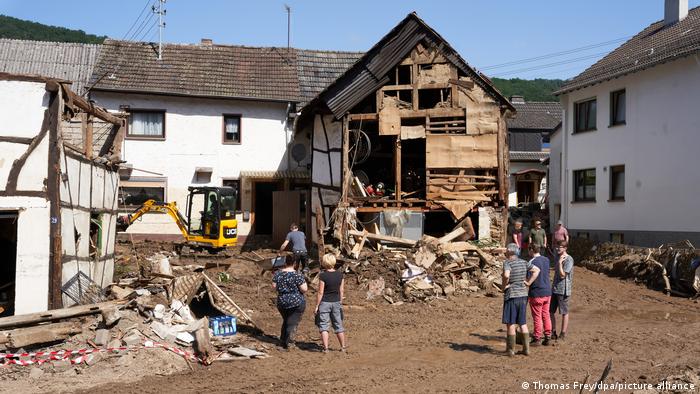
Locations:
(298, 241)
(539, 297)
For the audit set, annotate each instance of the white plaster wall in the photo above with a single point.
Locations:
(555, 179)
(9, 152)
(32, 274)
(658, 146)
(23, 102)
(193, 138)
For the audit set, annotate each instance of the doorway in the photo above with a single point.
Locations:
(263, 206)
(8, 264)
(526, 192)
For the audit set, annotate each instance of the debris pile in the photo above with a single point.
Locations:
(673, 268)
(399, 270)
(166, 305)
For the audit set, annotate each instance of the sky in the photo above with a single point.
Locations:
(486, 33)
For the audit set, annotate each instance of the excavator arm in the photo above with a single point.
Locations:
(154, 206)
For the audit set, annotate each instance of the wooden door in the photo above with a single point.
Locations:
(285, 211)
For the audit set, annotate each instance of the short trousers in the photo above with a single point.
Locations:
(515, 311)
(561, 302)
(330, 312)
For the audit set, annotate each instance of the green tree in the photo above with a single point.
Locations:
(531, 89)
(26, 30)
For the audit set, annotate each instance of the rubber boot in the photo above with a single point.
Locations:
(510, 345)
(526, 345)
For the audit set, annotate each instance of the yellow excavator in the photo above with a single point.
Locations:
(210, 223)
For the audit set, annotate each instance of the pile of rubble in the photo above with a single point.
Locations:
(674, 268)
(166, 305)
(399, 270)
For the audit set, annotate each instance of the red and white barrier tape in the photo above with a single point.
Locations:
(38, 358)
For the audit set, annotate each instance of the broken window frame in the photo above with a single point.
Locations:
(130, 127)
(145, 183)
(236, 184)
(618, 113)
(587, 111)
(584, 179)
(615, 182)
(232, 141)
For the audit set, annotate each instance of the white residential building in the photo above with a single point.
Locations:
(630, 136)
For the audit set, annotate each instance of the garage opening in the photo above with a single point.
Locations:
(8, 263)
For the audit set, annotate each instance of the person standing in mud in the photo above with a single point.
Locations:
(298, 240)
(517, 235)
(515, 284)
(539, 296)
(291, 303)
(561, 290)
(538, 237)
(329, 302)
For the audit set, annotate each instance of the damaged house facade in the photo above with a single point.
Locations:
(628, 165)
(58, 193)
(410, 136)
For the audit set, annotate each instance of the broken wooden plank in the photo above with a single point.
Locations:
(357, 249)
(455, 247)
(452, 235)
(46, 333)
(382, 237)
(56, 314)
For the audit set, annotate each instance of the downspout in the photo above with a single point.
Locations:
(564, 161)
(288, 135)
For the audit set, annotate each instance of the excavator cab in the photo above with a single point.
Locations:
(211, 216)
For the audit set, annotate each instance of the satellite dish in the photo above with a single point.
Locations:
(298, 153)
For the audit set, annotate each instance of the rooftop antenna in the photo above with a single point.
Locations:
(289, 22)
(161, 25)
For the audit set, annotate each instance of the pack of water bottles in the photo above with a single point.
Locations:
(223, 325)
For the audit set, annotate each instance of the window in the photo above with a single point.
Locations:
(618, 238)
(617, 108)
(232, 129)
(135, 192)
(617, 183)
(146, 124)
(585, 115)
(236, 185)
(584, 185)
(584, 235)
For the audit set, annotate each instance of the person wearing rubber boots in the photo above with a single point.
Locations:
(515, 284)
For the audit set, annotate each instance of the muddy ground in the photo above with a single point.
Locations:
(451, 345)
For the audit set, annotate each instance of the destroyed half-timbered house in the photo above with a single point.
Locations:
(58, 189)
(410, 135)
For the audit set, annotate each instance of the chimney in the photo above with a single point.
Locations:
(517, 100)
(675, 11)
(209, 42)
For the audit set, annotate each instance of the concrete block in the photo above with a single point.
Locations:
(62, 365)
(102, 337)
(93, 358)
(133, 338)
(36, 373)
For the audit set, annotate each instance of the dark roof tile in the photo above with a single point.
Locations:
(539, 115)
(654, 45)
